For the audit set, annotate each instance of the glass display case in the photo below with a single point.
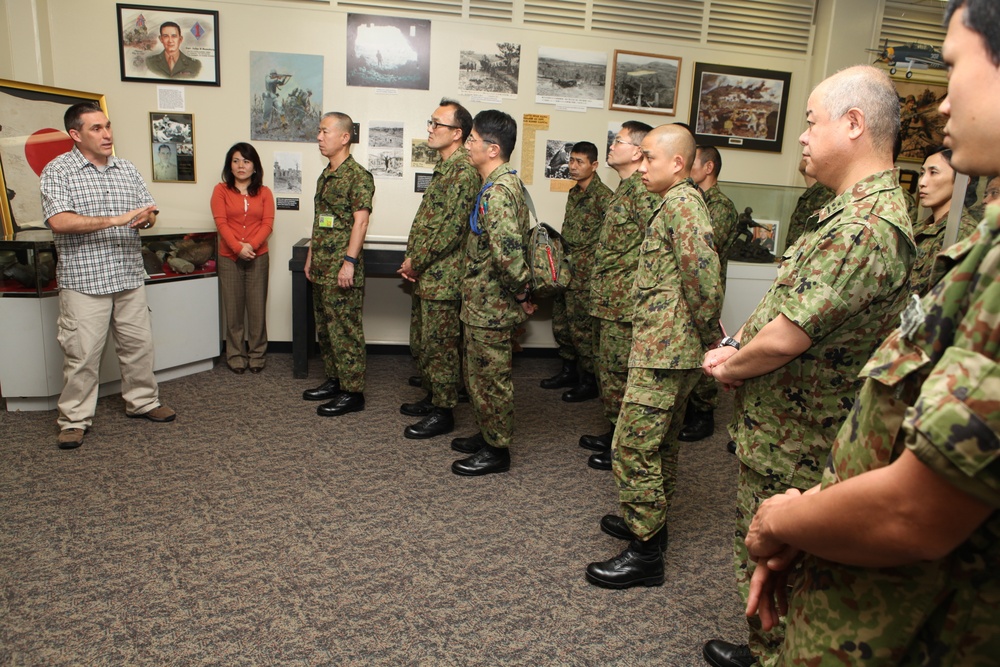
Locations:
(28, 263)
(771, 207)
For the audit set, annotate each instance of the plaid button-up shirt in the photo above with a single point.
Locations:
(108, 260)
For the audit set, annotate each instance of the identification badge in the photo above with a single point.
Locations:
(326, 221)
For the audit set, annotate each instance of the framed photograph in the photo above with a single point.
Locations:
(921, 126)
(644, 83)
(286, 96)
(31, 134)
(172, 147)
(387, 52)
(157, 44)
(570, 77)
(489, 69)
(739, 107)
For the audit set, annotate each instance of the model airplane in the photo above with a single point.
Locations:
(915, 56)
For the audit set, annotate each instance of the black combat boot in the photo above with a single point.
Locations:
(438, 422)
(421, 408)
(584, 391)
(344, 402)
(641, 564)
(601, 460)
(615, 526)
(324, 392)
(598, 443)
(724, 654)
(698, 426)
(469, 445)
(567, 377)
(486, 461)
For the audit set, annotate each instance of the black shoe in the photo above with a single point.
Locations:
(723, 654)
(641, 564)
(615, 526)
(567, 377)
(324, 392)
(601, 460)
(586, 390)
(415, 381)
(486, 461)
(348, 401)
(469, 445)
(699, 426)
(421, 408)
(438, 422)
(731, 447)
(463, 395)
(598, 443)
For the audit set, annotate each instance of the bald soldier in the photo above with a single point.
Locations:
(678, 298)
(838, 293)
(903, 538)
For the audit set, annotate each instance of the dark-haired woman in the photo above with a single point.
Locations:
(243, 209)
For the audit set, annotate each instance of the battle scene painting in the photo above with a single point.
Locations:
(286, 96)
(921, 125)
(739, 107)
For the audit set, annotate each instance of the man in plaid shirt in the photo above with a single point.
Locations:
(94, 203)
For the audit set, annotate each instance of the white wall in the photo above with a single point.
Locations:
(77, 41)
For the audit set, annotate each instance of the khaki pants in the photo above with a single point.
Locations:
(83, 326)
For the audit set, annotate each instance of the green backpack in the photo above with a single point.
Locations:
(546, 255)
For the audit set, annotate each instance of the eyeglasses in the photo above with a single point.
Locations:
(433, 125)
(619, 140)
(471, 140)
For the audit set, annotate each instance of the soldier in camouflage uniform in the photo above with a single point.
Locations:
(336, 267)
(699, 421)
(805, 216)
(937, 182)
(435, 262)
(573, 327)
(494, 294)
(615, 263)
(678, 298)
(903, 540)
(837, 294)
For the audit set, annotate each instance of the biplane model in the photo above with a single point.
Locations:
(913, 55)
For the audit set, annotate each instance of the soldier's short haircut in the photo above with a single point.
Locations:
(586, 149)
(344, 121)
(711, 153)
(498, 128)
(871, 90)
(983, 17)
(73, 118)
(945, 153)
(170, 24)
(462, 116)
(637, 130)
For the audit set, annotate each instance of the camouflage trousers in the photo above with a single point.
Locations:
(752, 489)
(645, 445)
(488, 362)
(611, 364)
(705, 397)
(341, 334)
(436, 341)
(574, 329)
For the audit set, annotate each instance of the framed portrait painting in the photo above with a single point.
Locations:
(158, 44)
(644, 83)
(739, 107)
(921, 125)
(31, 134)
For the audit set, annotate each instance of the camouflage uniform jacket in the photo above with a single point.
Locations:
(843, 285)
(617, 253)
(810, 202)
(911, 206)
(929, 237)
(678, 291)
(932, 388)
(435, 246)
(581, 229)
(495, 267)
(339, 193)
(724, 217)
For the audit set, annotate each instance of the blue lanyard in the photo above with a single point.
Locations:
(481, 207)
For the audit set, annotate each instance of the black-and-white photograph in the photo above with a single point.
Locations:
(288, 173)
(489, 69)
(571, 77)
(172, 147)
(385, 149)
(387, 52)
(422, 156)
(557, 158)
(644, 83)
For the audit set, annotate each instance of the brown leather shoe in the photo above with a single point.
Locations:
(158, 414)
(71, 438)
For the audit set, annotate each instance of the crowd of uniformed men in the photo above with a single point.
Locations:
(890, 576)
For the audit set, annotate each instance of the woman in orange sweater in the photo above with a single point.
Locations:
(243, 208)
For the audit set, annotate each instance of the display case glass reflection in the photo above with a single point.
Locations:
(766, 223)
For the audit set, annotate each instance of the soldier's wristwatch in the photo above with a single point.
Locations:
(728, 341)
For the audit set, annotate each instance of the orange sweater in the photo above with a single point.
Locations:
(242, 219)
